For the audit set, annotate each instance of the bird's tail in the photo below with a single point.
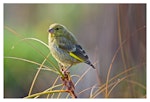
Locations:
(89, 63)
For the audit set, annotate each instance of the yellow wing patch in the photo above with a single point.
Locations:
(76, 57)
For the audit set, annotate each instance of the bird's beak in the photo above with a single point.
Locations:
(51, 31)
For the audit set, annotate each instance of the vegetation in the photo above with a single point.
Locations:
(114, 36)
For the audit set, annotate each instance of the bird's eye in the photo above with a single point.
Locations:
(57, 29)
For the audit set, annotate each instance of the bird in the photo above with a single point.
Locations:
(65, 48)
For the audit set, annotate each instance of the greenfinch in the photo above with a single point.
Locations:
(65, 48)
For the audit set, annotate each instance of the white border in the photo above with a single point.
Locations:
(74, 1)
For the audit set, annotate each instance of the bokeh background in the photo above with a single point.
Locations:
(99, 28)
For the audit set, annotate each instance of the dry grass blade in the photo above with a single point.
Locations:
(102, 89)
(37, 41)
(120, 38)
(33, 62)
(86, 90)
(110, 67)
(82, 76)
(50, 89)
(113, 78)
(14, 32)
(119, 80)
(121, 73)
(91, 93)
(136, 83)
(59, 94)
(47, 92)
(36, 75)
(113, 85)
(53, 86)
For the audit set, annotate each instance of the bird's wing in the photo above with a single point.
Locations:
(74, 50)
(78, 53)
(81, 55)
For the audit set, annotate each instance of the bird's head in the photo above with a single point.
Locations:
(56, 30)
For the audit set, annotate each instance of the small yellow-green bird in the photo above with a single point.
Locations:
(64, 47)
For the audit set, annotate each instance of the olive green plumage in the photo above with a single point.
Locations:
(64, 47)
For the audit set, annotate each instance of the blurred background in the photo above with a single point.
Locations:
(100, 28)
